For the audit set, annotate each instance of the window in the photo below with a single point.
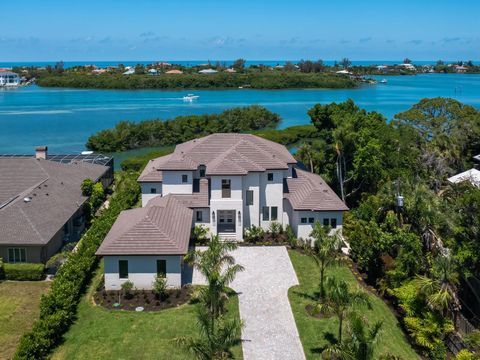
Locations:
(123, 269)
(162, 268)
(239, 217)
(325, 222)
(153, 191)
(199, 215)
(213, 217)
(202, 173)
(333, 222)
(184, 178)
(196, 185)
(303, 220)
(249, 197)
(226, 189)
(17, 255)
(265, 213)
(270, 176)
(274, 214)
(311, 220)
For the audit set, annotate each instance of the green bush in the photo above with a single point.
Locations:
(2, 270)
(58, 307)
(25, 272)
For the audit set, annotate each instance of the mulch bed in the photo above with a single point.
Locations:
(142, 298)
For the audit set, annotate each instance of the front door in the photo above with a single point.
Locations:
(226, 221)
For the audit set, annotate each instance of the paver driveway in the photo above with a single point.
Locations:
(270, 331)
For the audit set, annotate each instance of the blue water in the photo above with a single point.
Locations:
(63, 119)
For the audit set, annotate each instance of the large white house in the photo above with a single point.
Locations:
(9, 78)
(225, 182)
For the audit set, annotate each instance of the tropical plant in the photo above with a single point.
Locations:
(216, 337)
(160, 287)
(218, 267)
(126, 287)
(253, 234)
(440, 289)
(200, 234)
(325, 251)
(339, 300)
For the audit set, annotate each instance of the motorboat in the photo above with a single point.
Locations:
(190, 97)
(383, 81)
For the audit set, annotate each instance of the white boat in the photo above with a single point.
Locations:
(383, 81)
(190, 97)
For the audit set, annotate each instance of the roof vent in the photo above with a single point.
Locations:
(27, 199)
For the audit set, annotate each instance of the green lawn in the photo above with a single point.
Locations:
(316, 333)
(19, 307)
(102, 334)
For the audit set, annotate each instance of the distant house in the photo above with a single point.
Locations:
(226, 183)
(230, 70)
(460, 69)
(129, 70)
(382, 67)
(208, 71)
(153, 71)
(174, 72)
(99, 71)
(9, 78)
(41, 202)
(409, 67)
(344, 72)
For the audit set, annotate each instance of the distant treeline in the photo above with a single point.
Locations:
(129, 135)
(222, 80)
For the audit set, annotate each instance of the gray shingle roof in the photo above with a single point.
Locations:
(160, 228)
(54, 190)
(222, 154)
(310, 192)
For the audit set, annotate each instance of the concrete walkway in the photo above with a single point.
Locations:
(270, 331)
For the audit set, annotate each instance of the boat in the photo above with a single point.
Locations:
(190, 97)
(383, 81)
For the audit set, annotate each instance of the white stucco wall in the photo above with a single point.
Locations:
(172, 182)
(271, 194)
(303, 230)
(147, 193)
(141, 271)
(251, 212)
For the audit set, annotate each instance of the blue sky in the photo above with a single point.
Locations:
(50, 30)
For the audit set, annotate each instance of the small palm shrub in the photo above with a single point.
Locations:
(160, 287)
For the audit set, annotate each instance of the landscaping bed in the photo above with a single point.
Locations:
(146, 299)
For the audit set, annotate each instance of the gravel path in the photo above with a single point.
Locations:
(270, 331)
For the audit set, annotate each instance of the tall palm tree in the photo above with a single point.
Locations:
(219, 269)
(440, 288)
(339, 301)
(326, 251)
(305, 153)
(216, 337)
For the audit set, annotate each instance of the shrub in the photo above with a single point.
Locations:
(160, 287)
(199, 234)
(127, 286)
(291, 238)
(253, 234)
(2, 270)
(27, 272)
(465, 355)
(87, 187)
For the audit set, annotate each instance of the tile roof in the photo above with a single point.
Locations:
(222, 154)
(160, 228)
(53, 190)
(310, 192)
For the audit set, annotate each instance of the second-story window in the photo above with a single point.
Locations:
(226, 188)
(249, 197)
(184, 178)
(270, 176)
(202, 173)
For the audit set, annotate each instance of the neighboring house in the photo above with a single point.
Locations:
(228, 183)
(129, 70)
(174, 72)
(8, 78)
(208, 71)
(41, 202)
(472, 176)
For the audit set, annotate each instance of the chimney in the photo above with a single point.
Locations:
(41, 152)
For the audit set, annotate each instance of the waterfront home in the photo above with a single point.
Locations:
(9, 78)
(129, 70)
(407, 66)
(41, 202)
(208, 71)
(153, 71)
(226, 183)
(174, 72)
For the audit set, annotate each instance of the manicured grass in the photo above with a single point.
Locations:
(19, 307)
(102, 334)
(315, 333)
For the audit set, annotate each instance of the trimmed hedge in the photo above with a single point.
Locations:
(59, 306)
(25, 272)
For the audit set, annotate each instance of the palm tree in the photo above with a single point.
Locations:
(339, 301)
(440, 288)
(219, 269)
(325, 251)
(216, 337)
(360, 343)
(305, 153)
